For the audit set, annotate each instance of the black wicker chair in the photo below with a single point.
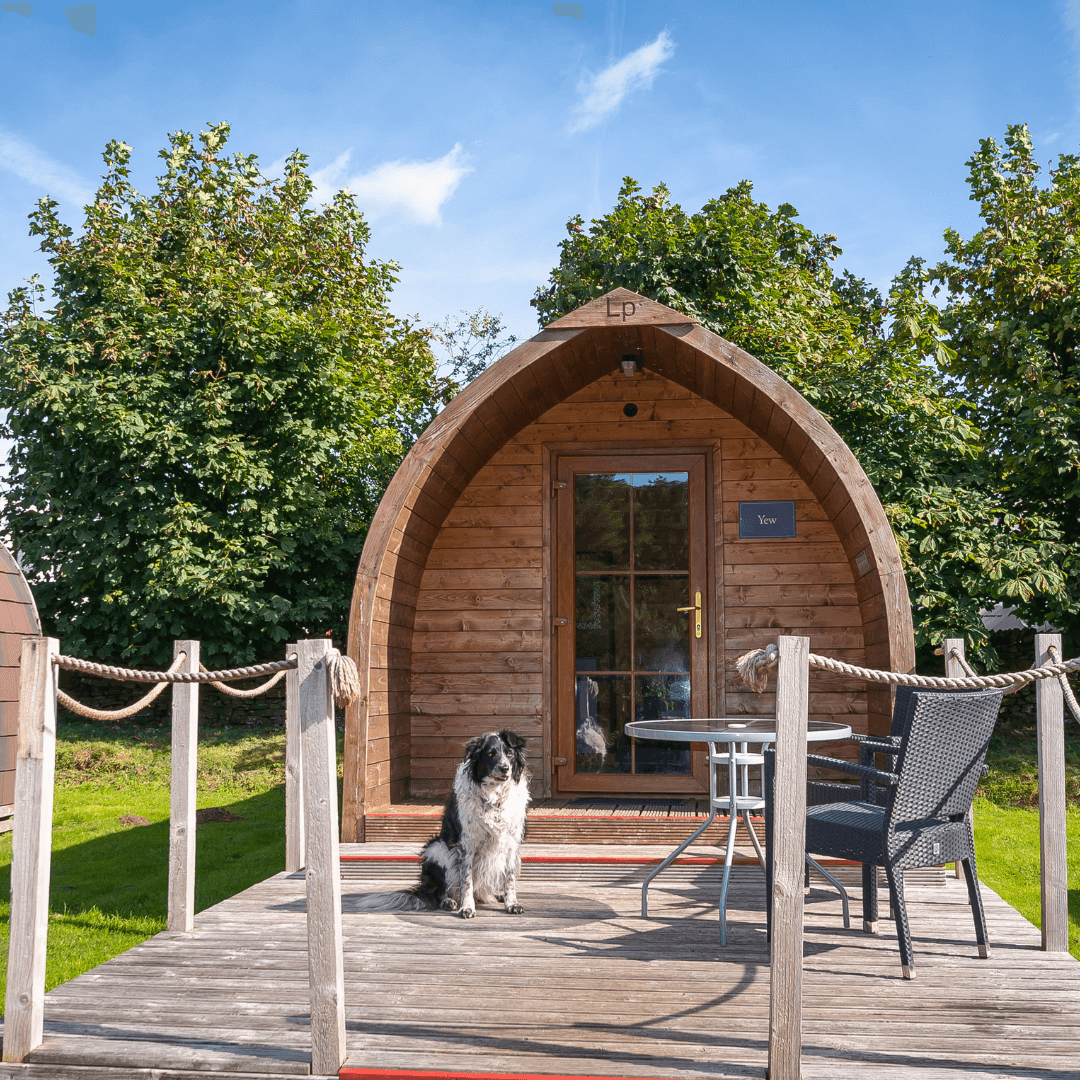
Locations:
(914, 814)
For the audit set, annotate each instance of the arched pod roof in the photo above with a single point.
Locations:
(567, 355)
(18, 619)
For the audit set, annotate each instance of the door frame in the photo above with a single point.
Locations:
(559, 728)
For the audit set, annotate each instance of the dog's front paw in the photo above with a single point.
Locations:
(449, 904)
(468, 913)
(514, 909)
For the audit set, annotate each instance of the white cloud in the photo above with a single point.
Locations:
(603, 93)
(413, 190)
(1071, 16)
(49, 177)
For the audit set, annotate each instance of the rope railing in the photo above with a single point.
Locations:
(232, 691)
(344, 680)
(90, 713)
(106, 671)
(959, 657)
(753, 668)
(1066, 689)
(318, 677)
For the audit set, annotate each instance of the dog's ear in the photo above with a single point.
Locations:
(516, 745)
(473, 749)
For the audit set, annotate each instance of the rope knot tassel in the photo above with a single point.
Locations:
(754, 667)
(344, 678)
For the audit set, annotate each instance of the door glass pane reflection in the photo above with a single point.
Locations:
(602, 521)
(632, 562)
(661, 631)
(602, 707)
(661, 527)
(662, 697)
(603, 623)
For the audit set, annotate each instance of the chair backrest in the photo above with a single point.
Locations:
(902, 703)
(942, 753)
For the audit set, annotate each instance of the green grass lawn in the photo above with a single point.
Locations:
(1007, 850)
(108, 888)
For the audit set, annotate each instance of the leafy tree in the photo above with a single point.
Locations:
(206, 417)
(472, 341)
(1013, 320)
(764, 281)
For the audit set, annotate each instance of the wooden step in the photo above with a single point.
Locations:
(568, 828)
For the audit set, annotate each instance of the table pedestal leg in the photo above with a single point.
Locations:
(836, 884)
(753, 838)
(729, 853)
(670, 859)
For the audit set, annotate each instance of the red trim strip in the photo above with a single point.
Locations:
(687, 860)
(347, 1072)
(548, 859)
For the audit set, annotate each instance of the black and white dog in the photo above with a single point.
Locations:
(476, 856)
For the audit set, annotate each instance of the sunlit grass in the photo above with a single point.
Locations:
(109, 881)
(1007, 851)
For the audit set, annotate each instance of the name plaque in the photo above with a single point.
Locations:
(766, 520)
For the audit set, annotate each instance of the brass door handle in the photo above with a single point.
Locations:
(696, 609)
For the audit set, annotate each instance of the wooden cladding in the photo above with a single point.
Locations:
(451, 618)
(18, 618)
(466, 609)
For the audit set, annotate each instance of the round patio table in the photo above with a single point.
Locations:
(735, 735)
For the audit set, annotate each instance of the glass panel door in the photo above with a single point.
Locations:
(633, 645)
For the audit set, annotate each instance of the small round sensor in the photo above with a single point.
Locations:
(629, 409)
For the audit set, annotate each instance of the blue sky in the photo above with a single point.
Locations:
(472, 131)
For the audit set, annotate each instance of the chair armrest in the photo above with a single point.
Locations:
(894, 740)
(880, 744)
(865, 772)
(868, 747)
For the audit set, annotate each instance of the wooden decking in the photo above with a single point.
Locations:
(579, 986)
(573, 821)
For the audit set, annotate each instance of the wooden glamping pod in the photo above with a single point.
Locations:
(532, 562)
(18, 619)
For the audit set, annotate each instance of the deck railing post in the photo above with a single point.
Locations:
(35, 770)
(1050, 725)
(326, 969)
(789, 842)
(185, 767)
(955, 670)
(294, 784)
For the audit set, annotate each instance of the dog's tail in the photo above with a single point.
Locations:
(391, 901)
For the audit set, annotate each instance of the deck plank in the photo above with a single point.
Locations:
(579, 985)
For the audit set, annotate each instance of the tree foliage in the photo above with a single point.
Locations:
(206, 416)
(471, 342)
(1013, 319)
(869, 363)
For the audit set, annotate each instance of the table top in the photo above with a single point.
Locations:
(733, 729)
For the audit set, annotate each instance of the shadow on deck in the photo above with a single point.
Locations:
(578, 986)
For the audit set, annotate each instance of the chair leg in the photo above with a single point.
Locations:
(869, 898)
(767, 784)
(768, 891)
(903, 930)
(975, 899)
